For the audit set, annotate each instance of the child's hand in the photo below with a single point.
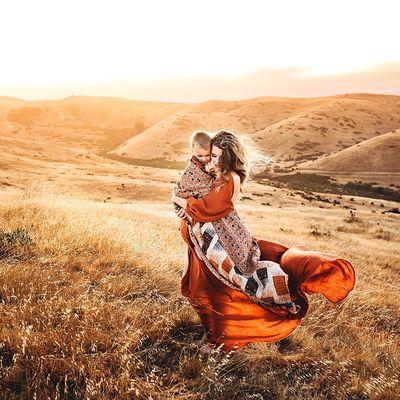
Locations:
(179, 200)
(181, 213)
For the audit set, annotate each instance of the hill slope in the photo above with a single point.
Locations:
(85, 313)
(287, 128)
(92, 123)
(378, 154)
(294, 131)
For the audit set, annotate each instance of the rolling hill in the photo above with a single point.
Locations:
(291, 130)
(97, 124)
(378, 154)
(319, 134)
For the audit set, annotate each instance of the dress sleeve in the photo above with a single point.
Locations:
(215, 205)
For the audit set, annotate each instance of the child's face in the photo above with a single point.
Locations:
(202, 154)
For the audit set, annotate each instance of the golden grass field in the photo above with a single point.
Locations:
(91, 259)
(91, 307)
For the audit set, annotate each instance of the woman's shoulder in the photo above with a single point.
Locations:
(231, 180)
(234, 177)
(234, 185)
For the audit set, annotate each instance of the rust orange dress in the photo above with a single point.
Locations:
(230, 317)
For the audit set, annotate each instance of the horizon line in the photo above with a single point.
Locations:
(202, 101)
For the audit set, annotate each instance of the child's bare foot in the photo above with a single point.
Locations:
(294, 309)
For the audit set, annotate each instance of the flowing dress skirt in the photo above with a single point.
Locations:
(233, 320)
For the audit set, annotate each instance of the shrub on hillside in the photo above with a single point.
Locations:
(11, 241)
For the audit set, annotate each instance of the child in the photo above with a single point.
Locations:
(195, 181)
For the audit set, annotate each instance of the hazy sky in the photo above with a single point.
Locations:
(192, 50)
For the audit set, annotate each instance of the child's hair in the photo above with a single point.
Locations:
(200, 138)
(239, 155)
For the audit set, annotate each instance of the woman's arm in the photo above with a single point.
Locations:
(215, 205)
(236, 186)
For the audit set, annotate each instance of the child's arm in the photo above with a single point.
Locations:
(181, 202)
(193, 183)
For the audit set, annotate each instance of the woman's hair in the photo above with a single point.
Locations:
(239, 155)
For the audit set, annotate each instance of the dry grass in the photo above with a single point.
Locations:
(91, 308)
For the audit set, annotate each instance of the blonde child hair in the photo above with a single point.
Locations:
(201, 139)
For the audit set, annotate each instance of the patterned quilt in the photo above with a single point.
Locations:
(267, 285)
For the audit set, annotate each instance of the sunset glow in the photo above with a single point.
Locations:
(90, 42)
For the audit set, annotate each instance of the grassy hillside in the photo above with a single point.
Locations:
(378, 154)
(91, 256)
(90, 307)
(291, 130)
(294, 131)
(91, 123)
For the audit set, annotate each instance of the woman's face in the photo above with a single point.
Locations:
(216, 155)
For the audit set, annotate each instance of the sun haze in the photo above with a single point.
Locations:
(84, 45)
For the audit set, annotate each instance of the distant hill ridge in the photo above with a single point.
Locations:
(290, 129)
(378, 154)
(309, 132)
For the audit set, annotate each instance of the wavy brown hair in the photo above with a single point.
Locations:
(233, 155)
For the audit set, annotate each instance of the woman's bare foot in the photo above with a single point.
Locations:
(202, 341)
(206, 349)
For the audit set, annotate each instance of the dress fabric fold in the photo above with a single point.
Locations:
(231, 319)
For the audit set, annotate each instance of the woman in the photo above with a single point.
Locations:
(230, 317)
